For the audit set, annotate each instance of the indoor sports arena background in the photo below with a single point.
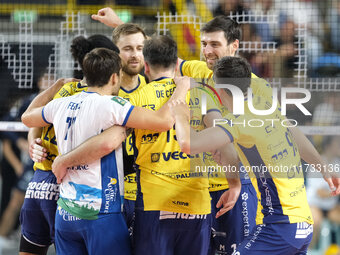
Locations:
(291, 43)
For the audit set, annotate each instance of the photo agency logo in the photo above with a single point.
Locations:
(259, 105)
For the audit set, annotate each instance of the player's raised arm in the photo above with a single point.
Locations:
(108, 17)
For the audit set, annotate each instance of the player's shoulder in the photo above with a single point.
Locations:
(141, 80)
(70, 88)
(198, 63)
(260, 86)
(195, 69)
(117, 100)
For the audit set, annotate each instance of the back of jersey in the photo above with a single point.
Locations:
(48, 137)
(94, 189)
(165, 177)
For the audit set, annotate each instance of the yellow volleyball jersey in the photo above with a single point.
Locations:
(48, 137)
(204, 162)
(199, 70)
(269, 153)
(166, 182)
(130, 184)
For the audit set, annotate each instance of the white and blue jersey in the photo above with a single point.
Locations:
(88, 191)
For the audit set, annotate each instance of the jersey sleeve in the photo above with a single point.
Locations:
(229, 126)
(49, 110)
(212, 105)
(138, 98)
(69, 89)
(121, 110)
(195, 69)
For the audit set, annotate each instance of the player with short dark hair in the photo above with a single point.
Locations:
(91, 194)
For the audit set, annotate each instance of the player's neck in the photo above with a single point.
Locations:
(156, 75)
(129, 82)
(227, 100)
(105, 90)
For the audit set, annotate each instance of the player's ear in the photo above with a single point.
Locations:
(146, 68)
(114, 79)
(234, 46)
(177, 65)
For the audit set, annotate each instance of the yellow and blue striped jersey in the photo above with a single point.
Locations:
(130, 184)
(166, 182)
(269, 153)
(199, 70)
(48, 137)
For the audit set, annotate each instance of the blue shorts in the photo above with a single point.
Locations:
(106, 235)
(129, 213)
(277, 239)
(38, 211)
(25, 178)
(168, 233)
(230, 229)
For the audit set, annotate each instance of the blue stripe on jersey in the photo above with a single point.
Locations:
(228, 133)
(132, 90)
(213, 110)
(111, 197)
(270, 201)
(127, 115)
(43, 116)
(181, 66)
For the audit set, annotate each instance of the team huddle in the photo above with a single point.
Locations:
(118, 191)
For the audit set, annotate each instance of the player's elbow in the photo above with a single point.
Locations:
(108, 146)
(184, 144)
(165, 125)
(25, 118)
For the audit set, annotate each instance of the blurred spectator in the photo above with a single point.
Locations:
(322, 204)
(333, 21)
(15, 151)
(328, 65)
(326, 114)
(258, 60)
(267, 31)
(285, 56)
(305, 13)
(226, 6)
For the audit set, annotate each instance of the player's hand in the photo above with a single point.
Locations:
(58, 169)
(108, 17)
(182, 82)
(37, 152)
(179, 107)
(334, 184)
(228, 198)
(217, 157)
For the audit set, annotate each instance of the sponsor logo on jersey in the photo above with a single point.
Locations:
(79, 167)
(183, 203)
(42, 190)
(166, 156)
(119, 100)
(186, 216)
(66, 215)
(110, 193)
(246, 226)
(303, 230)
(131, 178)
(155, 157)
